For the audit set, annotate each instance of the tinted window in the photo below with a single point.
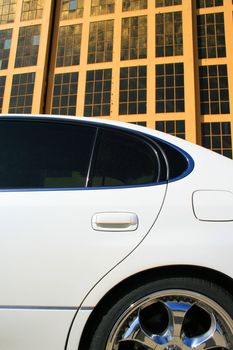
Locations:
(44, 155)
(124, 160)
(177, 162)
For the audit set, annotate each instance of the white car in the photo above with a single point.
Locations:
(112, 237)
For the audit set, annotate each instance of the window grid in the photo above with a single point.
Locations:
(5, 45)
(71, 9)
(169, 34)
(214, 94)
(132, 5)
(170, 88)
(134, 38)
(69, 45)
(28, 46)
(22, 93)
(138, 123)
(32, 9)
(2, 89)
(217, 137)
(100, 41)
(7, 11)
(211, 35)
(102, 7)
(208, 3)
(163, 3)
(65, 94)
(133, 84)
(98, 92)
(172, 127)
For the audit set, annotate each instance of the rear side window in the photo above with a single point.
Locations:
(177, 162)
(123, 159)
(44, 155)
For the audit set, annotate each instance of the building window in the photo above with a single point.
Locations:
(172, 127)
(22, 93)
(102, 7)
(100, 42)
(162, 3)
(69, 45)
(208, 3)
(65, 94)
(170, 88)
(211, 35)
(133, 83)
(138, 123)
(134, 38)
(5, 45)
(98, 93)
(32, 9)
(214, 95)
(28, 46)
(71, 9)
(2, 89)
(73, 5)
(169, 34)
(217, 137)
(132, 5)
(7, 11)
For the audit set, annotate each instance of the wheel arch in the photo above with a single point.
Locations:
(136, 280)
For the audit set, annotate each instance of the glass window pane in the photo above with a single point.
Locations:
(65, 94)
(71, 9)
(22, 93)
(69, 45)
(32, 9)
(28, 46)
(124, 160)
(60, 161)
(102, 7)
(100, 41)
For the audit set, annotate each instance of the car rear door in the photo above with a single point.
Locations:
(63, 223)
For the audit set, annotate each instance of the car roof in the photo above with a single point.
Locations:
(97, 121)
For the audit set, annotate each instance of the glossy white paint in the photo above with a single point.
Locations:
(178, 237)
(213, 205)
(22, 329)
(80, 322)
(50, 240)
(54, 254)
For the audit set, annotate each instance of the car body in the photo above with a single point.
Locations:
(104, 223)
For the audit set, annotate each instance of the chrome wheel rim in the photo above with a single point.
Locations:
(173, 320)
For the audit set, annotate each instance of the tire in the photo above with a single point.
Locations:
(168, 314)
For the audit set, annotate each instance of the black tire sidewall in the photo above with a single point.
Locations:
(201, 286)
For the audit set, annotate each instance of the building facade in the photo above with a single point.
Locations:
(164, 64)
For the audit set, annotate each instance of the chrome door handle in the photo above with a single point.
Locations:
(115, 221)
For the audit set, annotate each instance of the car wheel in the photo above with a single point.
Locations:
(169, 314)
